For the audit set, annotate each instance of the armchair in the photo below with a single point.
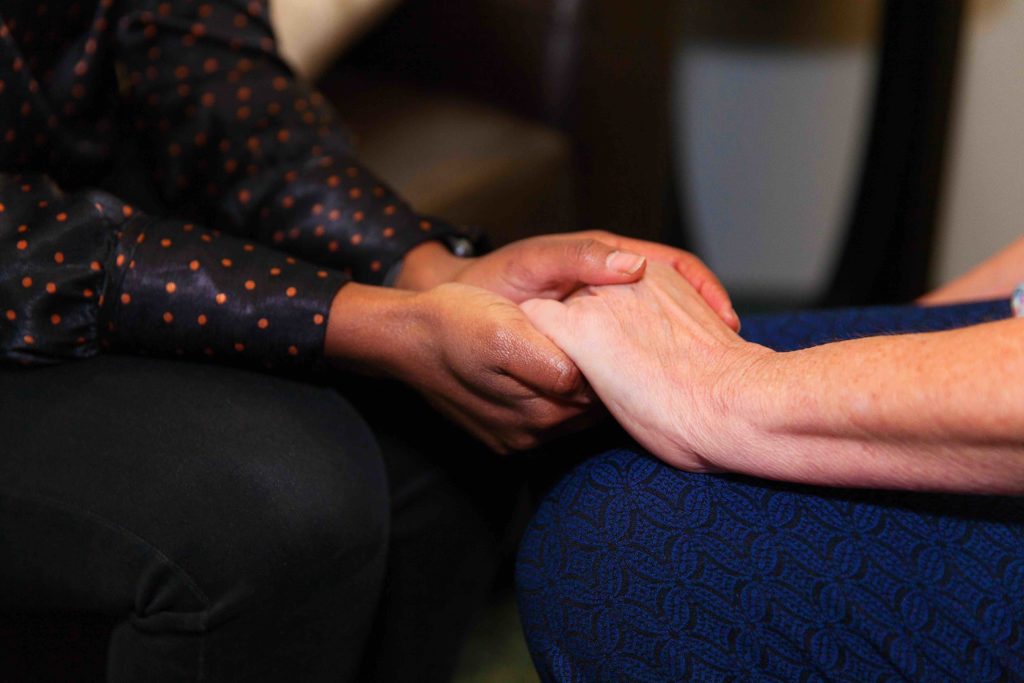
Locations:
(558, 112)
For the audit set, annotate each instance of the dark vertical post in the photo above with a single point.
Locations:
(889, 242)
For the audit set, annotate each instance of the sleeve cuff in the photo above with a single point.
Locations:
(184, 290)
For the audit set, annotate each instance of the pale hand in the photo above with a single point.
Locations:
(660, 359)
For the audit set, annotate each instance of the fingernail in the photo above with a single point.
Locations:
(624, 262)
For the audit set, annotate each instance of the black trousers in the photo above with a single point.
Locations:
(235, 526)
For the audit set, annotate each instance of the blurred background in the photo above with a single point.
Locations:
(812, 151)
(772, 105)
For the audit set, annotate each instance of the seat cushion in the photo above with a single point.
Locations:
(457, 159)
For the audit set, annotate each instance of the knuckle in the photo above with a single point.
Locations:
(522, 441)
(588, 250)
(520, 270)
(689, 263)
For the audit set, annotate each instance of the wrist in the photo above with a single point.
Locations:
(427, 265)
(775, 431)
(740, 403)
(371, 329)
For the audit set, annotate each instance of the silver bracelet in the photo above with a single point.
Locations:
(1017, 301)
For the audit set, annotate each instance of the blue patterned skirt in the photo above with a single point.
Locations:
(634, 571)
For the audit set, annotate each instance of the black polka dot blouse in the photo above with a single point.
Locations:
(269, 214)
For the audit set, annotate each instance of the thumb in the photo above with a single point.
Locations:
(573, 263)
(597, 263)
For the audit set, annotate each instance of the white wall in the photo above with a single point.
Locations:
(984, 202)
(770, 128)
(770, 135)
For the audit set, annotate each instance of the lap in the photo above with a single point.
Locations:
(176, 497)
(633, 570)
(800, 329)
(115, 461)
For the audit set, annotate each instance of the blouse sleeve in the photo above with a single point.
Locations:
(235, 140)
(81, 272)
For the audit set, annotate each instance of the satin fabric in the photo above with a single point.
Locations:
(264, 213)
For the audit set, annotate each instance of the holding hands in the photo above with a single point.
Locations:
(474, 354)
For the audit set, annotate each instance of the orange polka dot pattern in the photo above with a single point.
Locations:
(140, 300)
(232, 140)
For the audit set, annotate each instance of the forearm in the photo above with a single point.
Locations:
(928, 411)
(381, 331)
(992, 279)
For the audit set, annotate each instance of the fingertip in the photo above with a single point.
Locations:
(533, 304)
(715, 295)
(541, 312)
(732, 319)
(570, 380)
(529, 307)
(727, 313)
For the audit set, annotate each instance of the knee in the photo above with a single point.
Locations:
(581, 518)
(308, 522)
(317, 511)
(592, 505)
(279, 509)
(585, 554)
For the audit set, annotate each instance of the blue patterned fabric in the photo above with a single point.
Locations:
(634, 571)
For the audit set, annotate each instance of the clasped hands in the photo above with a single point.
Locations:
(504, 337)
